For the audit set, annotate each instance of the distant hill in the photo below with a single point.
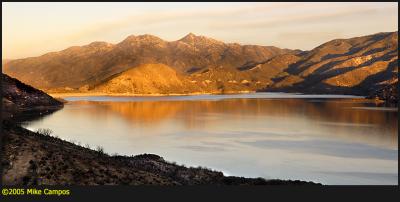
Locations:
(146, 79)
(162, 79)
(146, 64)
(352, 66)
(92, 64)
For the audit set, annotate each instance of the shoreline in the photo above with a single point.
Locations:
(82, 94)
(62, 95)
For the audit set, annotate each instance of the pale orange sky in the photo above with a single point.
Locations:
(33, 29)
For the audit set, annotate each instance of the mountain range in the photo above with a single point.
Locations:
(146, 64)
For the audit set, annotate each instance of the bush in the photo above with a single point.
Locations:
(100, 149)
(44, 131)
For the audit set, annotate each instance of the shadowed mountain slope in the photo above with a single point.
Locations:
(352, 66)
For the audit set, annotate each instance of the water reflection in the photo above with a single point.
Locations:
(312, 139)
(206, 115)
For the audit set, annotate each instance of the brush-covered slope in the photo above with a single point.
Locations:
(197, 64)
(162, 79)
(92, 64)
(18, 98)
(147, 79)
(357, 66)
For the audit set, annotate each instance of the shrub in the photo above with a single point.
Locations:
(100, 149)
(44, 131)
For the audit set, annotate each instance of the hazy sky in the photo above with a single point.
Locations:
(32, 29)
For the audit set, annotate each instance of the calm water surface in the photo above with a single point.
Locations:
(323, 138)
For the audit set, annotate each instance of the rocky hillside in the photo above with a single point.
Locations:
(358, 65)
(196, 64)
(19, 99)
(162, 79)
(145, 79)
(92, 64)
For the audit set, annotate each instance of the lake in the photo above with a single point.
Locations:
(330, 139)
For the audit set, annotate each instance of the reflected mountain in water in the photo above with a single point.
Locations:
(340, 114)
